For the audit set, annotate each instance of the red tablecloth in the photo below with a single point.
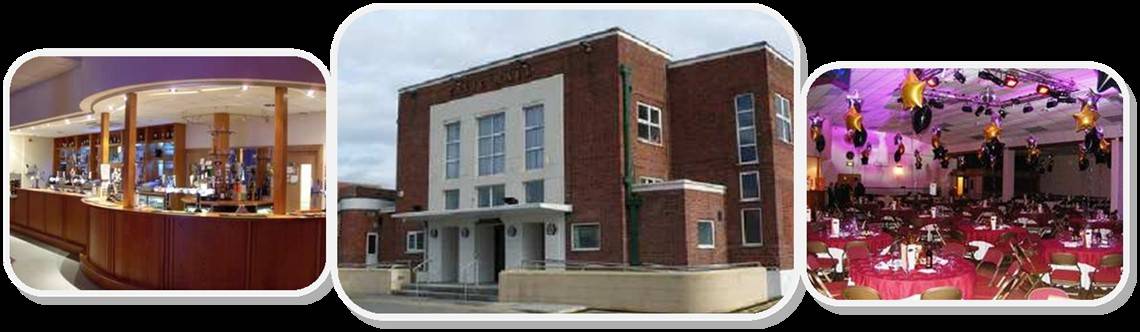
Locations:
(904, 214)
(977, 210)
(876, 242)
(899, 284)
(1041, 219)
(921, 221)
(989, 235)
(1090, 256)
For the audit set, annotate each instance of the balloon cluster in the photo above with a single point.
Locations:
(1046, 166)
(992, 147)
(816, 123)
(917, 159)
(865, 156)
(913, 100)
(1094, 142)
(900, 148)
(940, 152)
(856, 134)
(1033, 153)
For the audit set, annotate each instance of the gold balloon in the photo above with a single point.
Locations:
(992, 131)
(814, 132)
(854, 119)
(1086, 118)
(912, 89)
(1105, 145)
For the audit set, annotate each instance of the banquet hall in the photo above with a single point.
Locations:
(965, 184)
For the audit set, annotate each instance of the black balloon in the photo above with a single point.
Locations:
(898, 156)
(1083, 164)
(859, 137)
(850, 155)
(1092, 141)
(945, 163)
(864, 160)
(920, 118)
(820, 143)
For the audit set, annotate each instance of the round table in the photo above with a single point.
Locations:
(875, 242)
(924, 220)
(1090, 256)
(1040, 219)
(975, 211)
(904, 214)
(899, 284)
(989, 235)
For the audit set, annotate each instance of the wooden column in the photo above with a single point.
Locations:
(181, 167)
(130, 133)
(104, 138)
(280, 147)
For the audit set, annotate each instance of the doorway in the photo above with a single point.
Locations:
(372, 251)
(500, 251)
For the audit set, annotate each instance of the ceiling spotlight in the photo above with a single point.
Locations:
(245, 87)
(1027, 109)
(933, 81)
(937, 104)
(985, 75)
(1043, 89)
(1011, 81)
(1067, 99)
(310, 93)
(1051, 103)
(989, 111)
(1002, 113)
(173, 90)
(958, 76)
(978, 111)
(967, 109)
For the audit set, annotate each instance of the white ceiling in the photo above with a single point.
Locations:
(187, 104)
(879, 89)
(39, 69)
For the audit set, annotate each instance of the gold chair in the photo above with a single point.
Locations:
(1067, 278)
(1107, 276)
(942, 293)
(860, 293)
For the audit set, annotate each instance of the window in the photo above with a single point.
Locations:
(706, 234)
(783, 119)
(585, 237)
(451, 159)
(750, 186)
(649, 180)
(492, 144)
(415, 243)
(491, 195)
(535, 191)
(746, 128)
(451, 199)
(534, 136)
(648, 123)
(372, 243)
(750, 224)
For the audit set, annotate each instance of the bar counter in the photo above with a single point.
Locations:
(156, 249)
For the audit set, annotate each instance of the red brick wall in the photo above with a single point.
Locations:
(669, 227)
(649, 85)
(701, 96)
(393, 239)
(781, 78)
(591, 137)
(352, 228)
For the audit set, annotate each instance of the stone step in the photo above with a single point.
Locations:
(491, 289)
(449, 294)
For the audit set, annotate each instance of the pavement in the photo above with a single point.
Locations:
(392, 304)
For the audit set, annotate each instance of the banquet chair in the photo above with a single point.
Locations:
(1069, 273)
(1111, 261)
(1008, 281)
(954, 249)
(822, 267)
(855, 252)
(991, 262)
(1047, 293)
(856, 244)
(1007, 237)
(860, 293)
(830, 289)
(942, 293)
(1032, 274)
(1107, 276)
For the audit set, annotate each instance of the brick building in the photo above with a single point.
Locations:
(526, 159)
(366, 233)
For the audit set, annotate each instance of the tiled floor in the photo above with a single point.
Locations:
(43, 267)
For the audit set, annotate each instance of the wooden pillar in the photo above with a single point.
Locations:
(280, 148)
(181, 168)
(130, 133)
(104, 138)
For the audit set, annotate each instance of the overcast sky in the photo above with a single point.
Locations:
(386, 50)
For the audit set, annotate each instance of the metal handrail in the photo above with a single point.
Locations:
(415, 270)
(542, 264)
(379, 265)
(473, 264)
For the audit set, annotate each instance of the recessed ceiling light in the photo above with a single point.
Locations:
(310, 93)
(244, 87)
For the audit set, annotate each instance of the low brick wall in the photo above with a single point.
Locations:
(664, 292)
(373, 281)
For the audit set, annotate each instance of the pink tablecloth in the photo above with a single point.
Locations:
(989, 235)
(1090, 256)
(899, 284)
(876, 242)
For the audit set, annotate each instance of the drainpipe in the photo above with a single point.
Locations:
(632, 201)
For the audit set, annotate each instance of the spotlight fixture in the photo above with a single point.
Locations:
(958, 76)
(1043, 89)
(933, 81)
(937, 104)
(989, 111)
(967, 109)
(1002, 113)
(1011, 81)
(979, 110)
(1067, 99)
(985, 75)
(1051, 103)
(1027, 109)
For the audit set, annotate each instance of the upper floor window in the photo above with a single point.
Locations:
(534, 129)
(648, 123)
(783, 118)
(746, 128)
(492, 144)
(649, 180)
(535, 191)
(451, 199)
(750, 186)
(491, 195)
(451, 160)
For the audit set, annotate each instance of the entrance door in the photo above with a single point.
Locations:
(500, 251)
(298, 158)
(372, 251)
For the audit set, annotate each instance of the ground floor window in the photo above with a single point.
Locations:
(751, 227)
(372, 243)
(415, 243)
(585, 237)
(706, 234)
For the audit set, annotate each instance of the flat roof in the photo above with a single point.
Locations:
(486, 212)
(760, 46)
(544, 50)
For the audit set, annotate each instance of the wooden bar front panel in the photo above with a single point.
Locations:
(99, 238)
(138, 248)
(19, 209)
(53, 215)
(283, 254)
(36, 217)
(208, 253)
(75, 220)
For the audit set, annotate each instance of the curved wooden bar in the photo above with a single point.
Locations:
(132, 249)
(56, 218)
